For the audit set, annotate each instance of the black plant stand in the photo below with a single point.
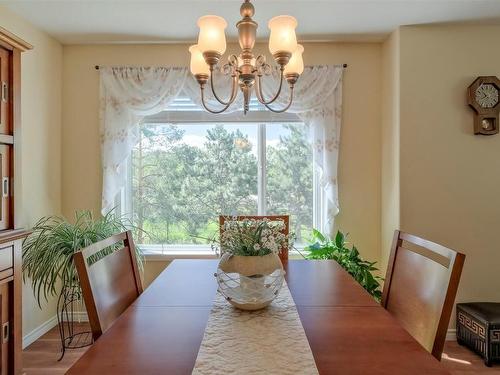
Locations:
(70, 294)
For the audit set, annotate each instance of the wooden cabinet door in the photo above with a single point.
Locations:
(5, 127)
(4, 334)
(5, 185)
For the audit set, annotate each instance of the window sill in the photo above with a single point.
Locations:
(202, 252)
(162, 253)
(172, 255)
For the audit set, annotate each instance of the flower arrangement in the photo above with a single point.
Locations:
(252, 237)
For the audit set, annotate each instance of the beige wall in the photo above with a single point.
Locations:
(449, 176)
(151, 270)
(408, 157)
(359, 169)
(447, 182)
(38, 164)
(390, 145)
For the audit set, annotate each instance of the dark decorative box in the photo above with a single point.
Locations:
(478, 328)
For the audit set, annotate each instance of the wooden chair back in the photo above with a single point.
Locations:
(420, 288)
(110, 284)
(283, 254)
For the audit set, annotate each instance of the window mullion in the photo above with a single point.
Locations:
(316, 199)
(318, 196)
(261, 178)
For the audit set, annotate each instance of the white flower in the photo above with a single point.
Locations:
(250, 235)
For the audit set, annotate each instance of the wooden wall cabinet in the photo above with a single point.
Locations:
(6, 137)
(11, 239)
(11, 284)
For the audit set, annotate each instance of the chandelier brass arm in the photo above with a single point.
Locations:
(260, 94)
(290, 101)
(231, 100)
(245, 70)
(230, 68)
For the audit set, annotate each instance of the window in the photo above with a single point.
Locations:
(185, 173)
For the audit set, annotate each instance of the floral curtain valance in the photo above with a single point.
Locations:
(129, 94)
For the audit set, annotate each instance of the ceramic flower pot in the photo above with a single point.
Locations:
(250, 282)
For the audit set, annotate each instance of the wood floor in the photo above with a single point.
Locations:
(461, 361)
(41, 357)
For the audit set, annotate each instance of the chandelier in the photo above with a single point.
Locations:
(246, 70)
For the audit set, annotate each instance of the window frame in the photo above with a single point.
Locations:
(165, 252)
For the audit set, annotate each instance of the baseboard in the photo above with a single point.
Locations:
(42, 329)
(39, 331)
(451, 334)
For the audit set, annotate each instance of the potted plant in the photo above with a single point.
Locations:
(48, 263)
(250, 273)
(48, 250)
(323, 247)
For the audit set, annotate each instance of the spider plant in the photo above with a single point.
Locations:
(48, 250)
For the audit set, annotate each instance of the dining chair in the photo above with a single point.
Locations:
(109, 284)
(283, 254)
(420, 288)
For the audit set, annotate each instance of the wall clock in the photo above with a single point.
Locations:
(483, 98)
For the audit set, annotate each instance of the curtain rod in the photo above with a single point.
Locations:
(97, 67)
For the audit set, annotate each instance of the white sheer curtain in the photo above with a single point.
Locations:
(318, 102)
(128, 94)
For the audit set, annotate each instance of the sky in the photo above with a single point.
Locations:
(194, 134)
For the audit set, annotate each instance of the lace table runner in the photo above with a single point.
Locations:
(268, 341)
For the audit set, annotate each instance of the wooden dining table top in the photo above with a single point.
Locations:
(347, 330)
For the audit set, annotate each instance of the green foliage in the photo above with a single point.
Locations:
(48, 250)
(289, 179)
(349, 259)
(179, 188)
(223, 177)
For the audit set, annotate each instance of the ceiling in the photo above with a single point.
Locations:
(120, 21)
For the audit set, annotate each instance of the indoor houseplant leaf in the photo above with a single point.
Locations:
(322, 247)
(48, 250)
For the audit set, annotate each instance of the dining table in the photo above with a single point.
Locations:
(347, 329)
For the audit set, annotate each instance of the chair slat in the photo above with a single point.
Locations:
(429, 254)
(110, 284)
(101, 245)
(420, 288)
(432, 246)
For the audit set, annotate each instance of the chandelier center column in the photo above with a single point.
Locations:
(246, 70)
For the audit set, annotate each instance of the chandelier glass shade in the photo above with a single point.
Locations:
(246, 70)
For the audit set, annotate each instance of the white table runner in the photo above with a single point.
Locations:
(268, 341)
